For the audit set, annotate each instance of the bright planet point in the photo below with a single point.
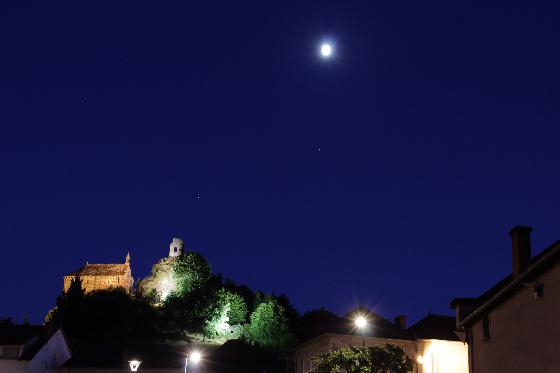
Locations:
(326, 50)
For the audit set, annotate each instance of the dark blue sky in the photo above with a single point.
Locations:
(124, 124)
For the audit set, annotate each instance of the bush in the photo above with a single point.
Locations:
(371, 359)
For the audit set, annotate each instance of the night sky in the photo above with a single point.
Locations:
(388, 175)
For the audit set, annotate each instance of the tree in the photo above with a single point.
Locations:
(191, 271)
(268, 327)
(370, 359)
(102, 315)
(227, 310)
(68, 305)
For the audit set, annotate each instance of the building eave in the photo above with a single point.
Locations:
(512, 287)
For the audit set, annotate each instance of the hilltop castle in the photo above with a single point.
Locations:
(109, 276)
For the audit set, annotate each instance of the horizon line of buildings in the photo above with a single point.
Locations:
(512, 327)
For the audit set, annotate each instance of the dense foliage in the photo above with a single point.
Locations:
(104, 314)
(268, 327)
(191, 272)
(227, 313)
(370, 359)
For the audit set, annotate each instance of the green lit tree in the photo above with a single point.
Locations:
(227, 312)
(191, 272)
(370, 359)
(268, 327)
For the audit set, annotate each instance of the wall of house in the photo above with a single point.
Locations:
(331, 342)
(524, 332)
(437, 356)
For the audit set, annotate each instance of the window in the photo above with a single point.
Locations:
(486, 327)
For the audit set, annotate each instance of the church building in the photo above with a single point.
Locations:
(103, 276)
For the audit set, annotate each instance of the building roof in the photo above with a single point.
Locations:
(18, 335)
(378, 327)
(509, 285)
(101, 270)
(435, 327)
(31, 337)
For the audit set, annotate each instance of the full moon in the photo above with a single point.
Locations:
(326, 50)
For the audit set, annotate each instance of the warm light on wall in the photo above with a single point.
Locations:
(439, 356)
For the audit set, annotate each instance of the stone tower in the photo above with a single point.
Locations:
(175, 247)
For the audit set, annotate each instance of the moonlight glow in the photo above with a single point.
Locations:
(326, 50)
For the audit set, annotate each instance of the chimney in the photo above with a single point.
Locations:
(401, 321)
(520, 248)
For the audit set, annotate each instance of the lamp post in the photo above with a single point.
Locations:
(361, 323)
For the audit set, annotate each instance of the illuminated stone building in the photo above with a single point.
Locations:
(103, 276)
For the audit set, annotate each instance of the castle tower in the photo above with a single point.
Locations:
(175, 247)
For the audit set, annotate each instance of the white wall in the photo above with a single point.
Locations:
(51, 356)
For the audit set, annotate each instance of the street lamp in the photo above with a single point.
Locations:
(361, 323)
(194, 358)
(134, 364)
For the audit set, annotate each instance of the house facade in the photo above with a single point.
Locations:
(513, 327)
(431, 343)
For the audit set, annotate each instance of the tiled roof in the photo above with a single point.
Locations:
(435, 327)
(539, 264)
(101, 270)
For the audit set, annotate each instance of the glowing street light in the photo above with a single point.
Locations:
(361, 323)
(134, 364)
(194, 358)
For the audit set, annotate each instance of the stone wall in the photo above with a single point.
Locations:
(91, 283)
